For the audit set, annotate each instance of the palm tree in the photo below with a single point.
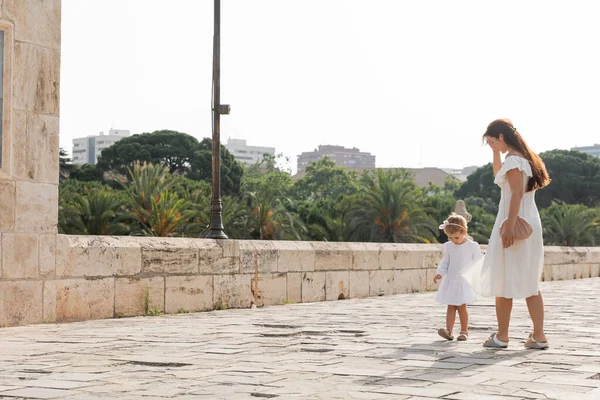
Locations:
(97, 212)
(158, 211)
(270, 218)
(389, 211)
(569, 225)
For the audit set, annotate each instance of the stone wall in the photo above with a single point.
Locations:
(104, 277)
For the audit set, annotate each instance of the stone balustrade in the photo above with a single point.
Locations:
(92, 277)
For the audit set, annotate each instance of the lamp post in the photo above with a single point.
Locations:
(218, 109)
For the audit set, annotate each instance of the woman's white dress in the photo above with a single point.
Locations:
(515, 272)
(454, 290)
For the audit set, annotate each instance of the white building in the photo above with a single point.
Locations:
(592, 150)
(87, 150)
(247, 155)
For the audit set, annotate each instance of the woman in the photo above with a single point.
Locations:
(511, 269)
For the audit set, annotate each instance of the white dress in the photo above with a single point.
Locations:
(454, 289)
(515, 272)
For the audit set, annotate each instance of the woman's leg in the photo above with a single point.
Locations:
(450, 318)
(464, 318)
(503, 310)
(535, 305)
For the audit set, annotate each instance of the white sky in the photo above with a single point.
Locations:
(413, 82)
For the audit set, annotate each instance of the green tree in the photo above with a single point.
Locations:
(65, 165)
(231, 169)
(100, 211)
(169, 148)
(87, 173)
(569, 225)
(390, 211)
(480, 184)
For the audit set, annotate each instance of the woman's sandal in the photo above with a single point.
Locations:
(533, 344)
(494, 343)
(446, 334)
(463, 336)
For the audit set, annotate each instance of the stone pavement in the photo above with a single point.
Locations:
(377, 348)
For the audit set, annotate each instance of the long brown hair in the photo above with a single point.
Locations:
(514, 141)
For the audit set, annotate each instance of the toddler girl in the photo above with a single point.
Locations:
(459, 252)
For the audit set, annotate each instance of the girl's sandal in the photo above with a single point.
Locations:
(463, 336)
(446, 334)
(535, 345)
(494, 343)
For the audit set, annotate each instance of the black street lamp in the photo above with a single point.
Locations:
(218, 109)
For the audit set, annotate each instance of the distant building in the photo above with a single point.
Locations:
(342, 156)
(87, 150)
(460, 174)
(247, 155)
(592, 150)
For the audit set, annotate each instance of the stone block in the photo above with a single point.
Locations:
(595, 270)
(593, 255)
(393, 256)
(35, 151)
(135, 296)
(271, 289)
(19, 256)
(36, 78)
(258, 257)
(313, 287)
(337, 285)
(295, 256)
(294, 287)
(169, 255)
(365, 256)
(359, 284)
(47, 255)
(410, 281)
(35, 21)
(20, 303)
(431, 273)
(189, 293)
(79, 299)
(232, 291)
(381, 282)
(211, 254)
(332, 256)
(548, 273)
(36, 208)
(97, 256)
(7, 206)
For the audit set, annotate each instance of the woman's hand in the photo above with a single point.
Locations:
(437, 278)
(508, 237)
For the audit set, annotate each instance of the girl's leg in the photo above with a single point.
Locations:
(503, 310)
(535, 304)
(464, 318)
(450, 318)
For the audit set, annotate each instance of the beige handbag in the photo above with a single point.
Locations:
(522, 229)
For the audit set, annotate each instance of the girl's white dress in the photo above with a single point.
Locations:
(515, 272)
(454, 289)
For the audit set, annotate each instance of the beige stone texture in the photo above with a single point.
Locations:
(359, 284)
(381, 282)
(294, 287)
(36, 78)
(594, 270)
(393, 256)
(35, 151)
(295, 257)
(410, 281)
(548, 273)
(36, 208)
(431, 273)
(97, 256)
(593, 255)
(232, 291)
(332, 256)
(258, 256)
(337, 285)
(212, 259)
(313, 287)
(28, 15)
(169, 255)
(7, 206)
(20, 303)
(272, 289)
(365, 256)
(19, 256)
(135, 296)
(423, 256)
(188, 293)
(79, 299)
(47, 255)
